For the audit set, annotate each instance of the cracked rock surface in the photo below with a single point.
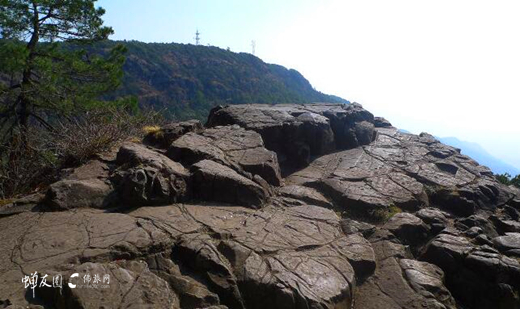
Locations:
(269, 206)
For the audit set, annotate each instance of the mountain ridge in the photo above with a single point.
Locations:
(188, 80)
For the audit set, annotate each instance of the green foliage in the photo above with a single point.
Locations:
(508, 179)
(45, 68)
(188, 80)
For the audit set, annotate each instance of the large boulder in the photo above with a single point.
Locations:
(409, 228)
(478, 276)
(164, 136)
(146, 177)
(85, 187)
(215, 182)
(400, 282)
(509, 244)
(297, 132)
(235, 147)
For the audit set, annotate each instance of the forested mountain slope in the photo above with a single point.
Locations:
(187, 80)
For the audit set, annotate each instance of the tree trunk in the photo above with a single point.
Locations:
(24, 102)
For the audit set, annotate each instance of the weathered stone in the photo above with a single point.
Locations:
(192, 294)
(472, 273)
(350, 226)
(296, 132)
(232, 146)
(200, 254)
(400, 284)
(149, 178)
(172, 131)
(359, 253)
(215, 182)
(509, 244)
(130, 284)
(473, 231)
(477, 221)
(244, 237)
(403, 170)
(26, 203)
(435, 218)
(380, 122)
(306, 195)
(84, 187)
(446, 250)
(69, 194)
(408, 228)
(133, 154)
(515, 200)
(504, 224)
(427, 279)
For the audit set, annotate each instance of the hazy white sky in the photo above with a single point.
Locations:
(449, 68)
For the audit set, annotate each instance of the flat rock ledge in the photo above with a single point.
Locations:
(269, 206)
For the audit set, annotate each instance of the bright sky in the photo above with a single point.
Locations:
(449, 68)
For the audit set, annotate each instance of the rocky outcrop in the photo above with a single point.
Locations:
(166, 135)
(215, 182)
(86, 186)
(235, 147)
(297, 132)
(407, 171)
(146, 177)
(286, 206)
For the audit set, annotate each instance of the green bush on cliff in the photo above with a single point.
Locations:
(508, 179)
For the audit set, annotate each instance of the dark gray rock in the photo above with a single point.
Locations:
(30, 202)
(131, 285)
(504, 223)
(297, 132)
(380, 122)
(374, 218)
(435, 218)
(191, 293)
(232, 146)
(408, 228)
(172, 131)
(350, 226)
(404, 170)
(477, 277)
(509, 243)
(399, 282)
(427, 279)
(85, 187)
(146, 177)
(215, 182)
(69, 194)
(305, 195)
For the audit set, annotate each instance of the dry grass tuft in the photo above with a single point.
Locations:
(72, 142)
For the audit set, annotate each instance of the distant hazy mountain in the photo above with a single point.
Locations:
(479, 154)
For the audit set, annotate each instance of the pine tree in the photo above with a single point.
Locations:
(46, 70)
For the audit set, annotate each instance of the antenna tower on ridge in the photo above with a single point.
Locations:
(197, 37)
